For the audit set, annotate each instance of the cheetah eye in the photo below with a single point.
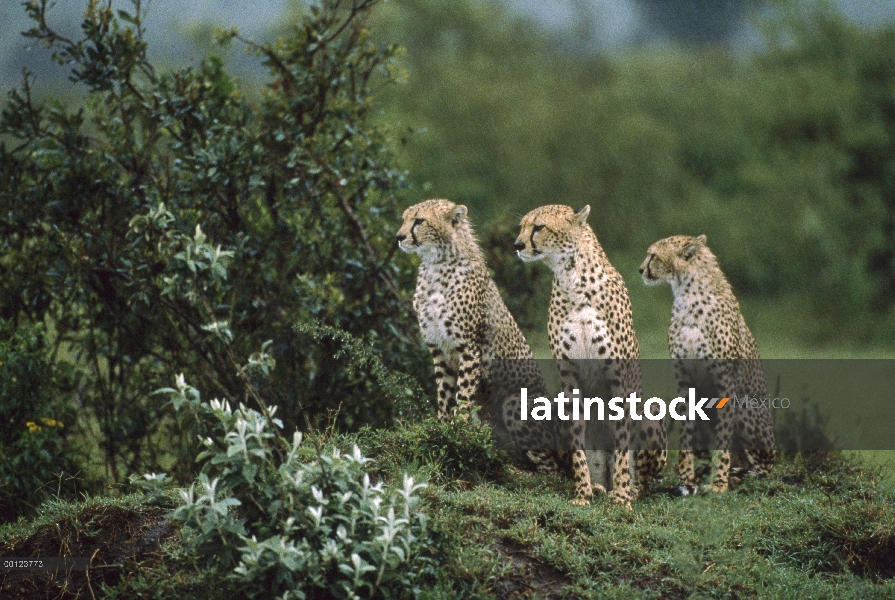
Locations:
(418, 221)
(537, 228)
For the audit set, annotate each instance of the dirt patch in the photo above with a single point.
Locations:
(659, 587)
(113, 538)
(528, 577)
(873, 556)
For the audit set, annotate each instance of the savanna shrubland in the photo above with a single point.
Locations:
(178, 222)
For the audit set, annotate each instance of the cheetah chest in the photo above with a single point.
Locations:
(584, 334)
(445, 303)
(690, 341)
(434, 312)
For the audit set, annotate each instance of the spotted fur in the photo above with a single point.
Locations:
(706, 323)
(590, 318)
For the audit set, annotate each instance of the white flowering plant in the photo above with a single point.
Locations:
(294, 519)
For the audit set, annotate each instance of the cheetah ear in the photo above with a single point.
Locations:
(581, 215)
(458, 213)
(691, 250)
(701, 239)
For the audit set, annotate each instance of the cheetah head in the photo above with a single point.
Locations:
(431, 226)
(671, 256)
(549, 231)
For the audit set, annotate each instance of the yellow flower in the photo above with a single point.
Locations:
(51, 422)
(32, 426)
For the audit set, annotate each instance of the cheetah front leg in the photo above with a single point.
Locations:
(581, 477)
(757, 433)
(445, 382)
(622, 381)
(468, 379)
(686, 463)
(622, 492)
(650, 437)
(721, 458)
(760, 446)
(568, 373)
(651, 459)
(761, 461)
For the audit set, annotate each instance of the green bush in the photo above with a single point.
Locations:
(168, 222)
(293, 519)
(36, 460)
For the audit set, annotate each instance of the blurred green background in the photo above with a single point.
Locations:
(780, 151)
(767, 126)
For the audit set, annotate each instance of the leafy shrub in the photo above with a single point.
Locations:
(168, 222)
(36, 461)
(410, 400)
(292, 519)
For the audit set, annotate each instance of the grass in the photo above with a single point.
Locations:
(821, 526)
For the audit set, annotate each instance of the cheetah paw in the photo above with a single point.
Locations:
(623, 498)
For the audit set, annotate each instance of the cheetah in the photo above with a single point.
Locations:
(706, 323)
(590, 318)
(468, 329)
(463, 320)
